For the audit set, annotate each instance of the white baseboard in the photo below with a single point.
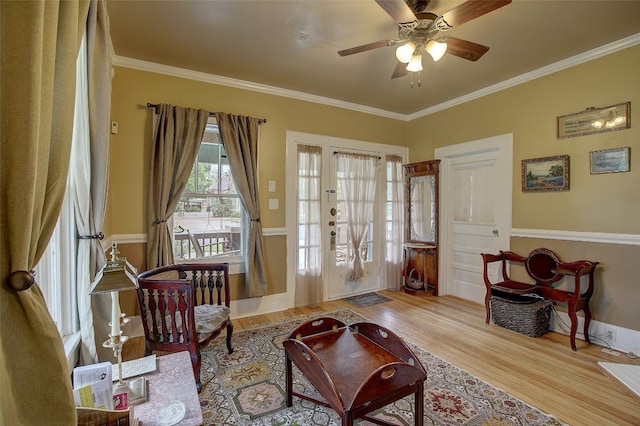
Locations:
(623, 339)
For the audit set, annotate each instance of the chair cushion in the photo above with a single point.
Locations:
(209, 318)
(515, 287)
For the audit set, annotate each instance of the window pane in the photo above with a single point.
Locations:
(209, 215)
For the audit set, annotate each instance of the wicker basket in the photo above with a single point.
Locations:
(526, 315)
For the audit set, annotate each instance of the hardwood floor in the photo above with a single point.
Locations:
(543, 371)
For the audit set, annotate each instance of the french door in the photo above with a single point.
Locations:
(336, 240)
(340, 251)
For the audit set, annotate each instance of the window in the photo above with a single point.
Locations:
(209, 216)
(55, 272)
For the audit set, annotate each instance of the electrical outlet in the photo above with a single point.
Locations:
(609, 335)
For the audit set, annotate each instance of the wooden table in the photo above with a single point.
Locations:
(356, 369)
(172, 381)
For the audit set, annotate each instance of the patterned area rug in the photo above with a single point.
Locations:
(367, 299)
(248, 388)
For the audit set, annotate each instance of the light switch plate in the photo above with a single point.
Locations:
(273, 203)
(272, 186)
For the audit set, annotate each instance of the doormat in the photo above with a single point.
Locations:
(367, 299)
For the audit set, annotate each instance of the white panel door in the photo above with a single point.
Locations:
(476, 185)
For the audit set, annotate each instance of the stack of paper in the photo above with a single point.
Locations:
(92, 386)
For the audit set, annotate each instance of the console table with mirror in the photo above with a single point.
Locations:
(420, 266)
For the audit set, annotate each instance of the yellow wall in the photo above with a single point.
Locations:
(529, 111)
(599, 203)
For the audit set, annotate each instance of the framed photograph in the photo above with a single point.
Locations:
(595, 120)
(609, 160)
(545, 174)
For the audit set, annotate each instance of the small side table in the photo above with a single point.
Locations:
(172, 381)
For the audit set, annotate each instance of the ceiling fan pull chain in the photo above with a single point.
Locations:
(419, 81)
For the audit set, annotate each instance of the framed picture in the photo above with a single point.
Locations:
(545, 174)
(609, 160)
(595, 120)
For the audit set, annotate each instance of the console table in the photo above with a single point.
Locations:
(172, 381)
(357, 369)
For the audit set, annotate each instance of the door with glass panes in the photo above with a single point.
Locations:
(339, 249)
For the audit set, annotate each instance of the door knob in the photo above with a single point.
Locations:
(496, 233)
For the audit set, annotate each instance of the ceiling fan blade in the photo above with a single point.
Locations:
(369, 46)
(400, 70)
(465, 49)
(468, 11)
(398, 10)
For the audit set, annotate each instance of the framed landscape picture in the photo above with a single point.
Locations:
(609, 160)
(545, 174)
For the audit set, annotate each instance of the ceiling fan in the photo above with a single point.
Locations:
(418, 30)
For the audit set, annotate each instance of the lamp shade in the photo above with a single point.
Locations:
(436, 49)
(416, 63)
(404, 52)
(116, 275)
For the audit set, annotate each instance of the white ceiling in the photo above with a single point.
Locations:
(293, 44)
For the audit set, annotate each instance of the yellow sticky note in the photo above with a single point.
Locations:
(86, 396)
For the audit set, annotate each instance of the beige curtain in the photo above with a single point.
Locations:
(177, 136)
(40, 41)
(99, 69)
(395, 222)
(357, 178)
(89, 166)
(240, 138)
(309, 250)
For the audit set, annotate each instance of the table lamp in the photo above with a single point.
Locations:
(119, 275)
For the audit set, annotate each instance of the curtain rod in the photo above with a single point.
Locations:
(212, 114)
(351, 153)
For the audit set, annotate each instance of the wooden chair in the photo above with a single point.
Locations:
(545, 269)
(183, 307)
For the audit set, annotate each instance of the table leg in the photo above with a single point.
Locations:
(347, 418)
(289, 379)
(419, 408)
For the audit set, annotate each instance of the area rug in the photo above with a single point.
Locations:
(367, 299)
(248, 388)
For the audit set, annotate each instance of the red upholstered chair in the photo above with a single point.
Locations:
(545, 269)
(184, 307)
(507, 286)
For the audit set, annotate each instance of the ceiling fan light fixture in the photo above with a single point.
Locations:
(415, 65)
(436, 49)
(404, 52)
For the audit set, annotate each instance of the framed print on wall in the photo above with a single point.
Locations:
(545, 174)
(609, 160)
(594, 120)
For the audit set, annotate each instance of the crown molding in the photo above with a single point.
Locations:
(590, 55)
(249, 85)
(587, 56)
(585, 237)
